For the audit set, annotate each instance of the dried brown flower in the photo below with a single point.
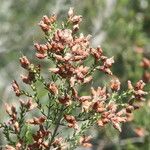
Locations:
(16, 88)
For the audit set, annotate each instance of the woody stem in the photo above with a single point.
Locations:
(57, 126)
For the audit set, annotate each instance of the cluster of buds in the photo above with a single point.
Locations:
(65, 100)
(46, 23)
(59, 143)
(39, 141)
(36, 121)
(32, 71)
(15, 120)
(72, 123)
(29, 105)
(11, 111)
(138, 90)
(95, 101)
(107, 64)
(24, 62)
(41, 50)
(113, 116)
(65, 106)
(85, 141)
(74, 19)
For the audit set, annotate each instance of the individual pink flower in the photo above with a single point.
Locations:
(99, 107)
(52, 87)
(16, 88)
(66, 100)
(85, 103)
(24, 62)
(97, 53)
(72, 123)
(115, 84)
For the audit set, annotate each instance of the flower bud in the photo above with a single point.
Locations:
(53, 88)
(24, 62)
(115, 85)
(16, 88)
(70, 12)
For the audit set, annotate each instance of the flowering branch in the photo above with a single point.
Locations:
(64, 108)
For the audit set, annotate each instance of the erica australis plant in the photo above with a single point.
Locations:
(61, 121)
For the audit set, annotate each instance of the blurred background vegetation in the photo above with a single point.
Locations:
(121, 27)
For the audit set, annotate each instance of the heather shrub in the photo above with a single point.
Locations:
(61, 119)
